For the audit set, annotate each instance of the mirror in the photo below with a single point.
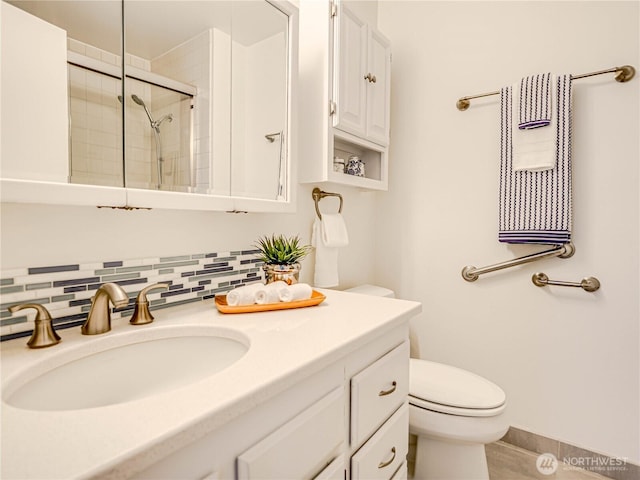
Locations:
(177, 66)
(259, 76)
(204, 106)
(80, 43)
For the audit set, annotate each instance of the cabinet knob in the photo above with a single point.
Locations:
(371, 78)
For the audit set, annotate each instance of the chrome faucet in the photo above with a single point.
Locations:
(99, 319)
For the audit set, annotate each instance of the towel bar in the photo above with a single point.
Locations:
(318, 195)
(471, 273)
(588, 284)
(623, 74)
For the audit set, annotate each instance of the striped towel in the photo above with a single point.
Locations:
(535, 207)
(535, 101)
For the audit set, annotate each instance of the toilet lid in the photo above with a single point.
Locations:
(435, 384)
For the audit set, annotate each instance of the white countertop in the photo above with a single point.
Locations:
(115, 441)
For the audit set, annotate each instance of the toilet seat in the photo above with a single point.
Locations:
(446, 389)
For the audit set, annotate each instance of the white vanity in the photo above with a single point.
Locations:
(319, 392)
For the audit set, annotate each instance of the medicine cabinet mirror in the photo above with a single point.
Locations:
(204, 107)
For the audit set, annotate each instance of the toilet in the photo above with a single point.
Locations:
(453, 413)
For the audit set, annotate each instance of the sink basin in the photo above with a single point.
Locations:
(121, 368)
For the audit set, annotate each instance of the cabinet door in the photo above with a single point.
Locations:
(351, 86)
(378, 87)
(302, 447)
(34, 97)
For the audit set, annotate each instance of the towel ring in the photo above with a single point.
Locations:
(318, 195)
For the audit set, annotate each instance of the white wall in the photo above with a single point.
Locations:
(39, 235)
(567, 359)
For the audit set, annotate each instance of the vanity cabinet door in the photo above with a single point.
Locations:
(302, 447)
(377, 391)
(382, 456)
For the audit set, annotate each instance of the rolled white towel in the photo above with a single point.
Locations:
(269, 293)
(297, 291)
(245, 295)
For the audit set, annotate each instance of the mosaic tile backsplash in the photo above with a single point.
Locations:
(66, 290)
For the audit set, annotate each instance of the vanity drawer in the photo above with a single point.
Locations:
(301, 447)
(382, 456)
(333, 471)
(402, 473)
(377, 391)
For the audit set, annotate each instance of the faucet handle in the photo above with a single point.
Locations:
(141, 314)
(43, 333)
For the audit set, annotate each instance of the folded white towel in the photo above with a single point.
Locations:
(269, 293)
(326, 268)
(297, 291)
(534, 150)
(334, 230)
(245, 295)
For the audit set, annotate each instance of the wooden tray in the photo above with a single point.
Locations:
(221, 303)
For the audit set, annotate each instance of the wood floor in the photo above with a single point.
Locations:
(507, 462)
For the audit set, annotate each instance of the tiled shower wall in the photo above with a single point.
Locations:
(66, 290)
(96, 126)
(190, 63)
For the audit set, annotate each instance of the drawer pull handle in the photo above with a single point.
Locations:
(386, 464)
(382, 393)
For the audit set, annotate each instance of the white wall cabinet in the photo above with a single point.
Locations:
(33, 94)
(303, 433)
(361, 90)
(36, 108)
(345, 73)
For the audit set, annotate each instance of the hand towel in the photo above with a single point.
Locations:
(535, 101)
(326, 268)
(536, 206)
(269, 293)
(534, 149)
(334, 230)
(297, 291)
(245, 295)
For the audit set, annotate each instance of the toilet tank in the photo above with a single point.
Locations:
(378, 291)
(373, 290)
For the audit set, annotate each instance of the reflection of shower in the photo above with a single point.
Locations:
(155, 125)
(281, 171)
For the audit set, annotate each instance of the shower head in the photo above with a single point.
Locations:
(140, 102)
(155, 124)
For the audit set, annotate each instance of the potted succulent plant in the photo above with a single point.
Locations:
(281, 256)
